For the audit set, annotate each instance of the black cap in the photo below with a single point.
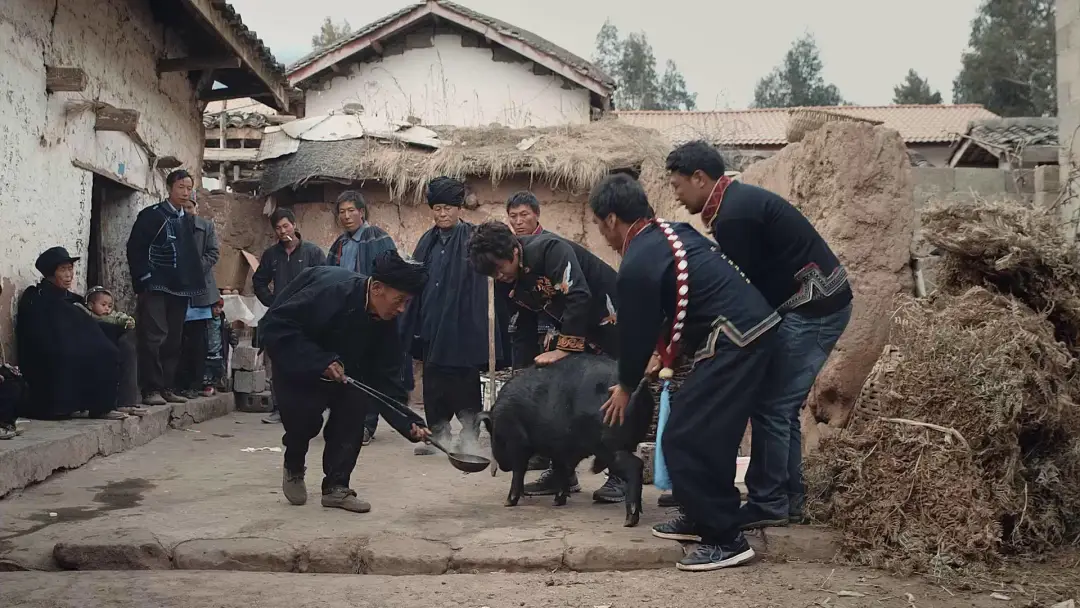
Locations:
(48, 262)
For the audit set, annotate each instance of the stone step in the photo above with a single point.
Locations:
(49, 446)
(137, 549)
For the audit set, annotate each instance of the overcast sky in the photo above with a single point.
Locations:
(723, 47)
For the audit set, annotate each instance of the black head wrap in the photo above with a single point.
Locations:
(445, 191)
(405, 275)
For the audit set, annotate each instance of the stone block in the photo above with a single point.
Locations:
(932, 182)
(799, 543)
(525, 556)
(200, 410)
(123, 549)
(983, 182)
(333, 556)
(1048, 179)
(597, 552)
(254, 403)
(246, 358)
(243, 554)
(249, 382)
(402, 555)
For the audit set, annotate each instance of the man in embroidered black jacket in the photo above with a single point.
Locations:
(682, 298)
(788, 261)
(548, 277)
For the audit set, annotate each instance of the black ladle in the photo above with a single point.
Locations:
(466, 463)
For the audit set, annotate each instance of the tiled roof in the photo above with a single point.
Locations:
(538, 43)
(768, 126)
(234, 119)
(253, 40)
(1012, 132)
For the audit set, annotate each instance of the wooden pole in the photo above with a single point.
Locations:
(491, 353)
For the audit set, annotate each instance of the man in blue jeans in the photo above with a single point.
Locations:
(782, 254)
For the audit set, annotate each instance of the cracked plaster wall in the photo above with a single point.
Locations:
(45, 198)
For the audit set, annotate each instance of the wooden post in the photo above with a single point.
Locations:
(116, 119)
(491, 353)
(64, 79)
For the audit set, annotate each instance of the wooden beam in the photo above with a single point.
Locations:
(193, 64)
(64, 79)
(377, 47)
(235, 133)
(230, 155)
(116, 119)
(229, 93)
(337, 69)
(211, 17)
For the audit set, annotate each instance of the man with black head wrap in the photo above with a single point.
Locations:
(329, 323)
(446, 327)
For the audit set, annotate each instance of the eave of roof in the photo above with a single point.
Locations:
(523, 42)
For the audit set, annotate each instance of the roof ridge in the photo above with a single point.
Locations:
(827, 108)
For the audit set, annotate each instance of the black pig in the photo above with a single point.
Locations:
(554, 411)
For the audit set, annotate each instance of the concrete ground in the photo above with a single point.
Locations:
(194, 499)
(766, 584)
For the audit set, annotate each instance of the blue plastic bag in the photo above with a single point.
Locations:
(660, 473)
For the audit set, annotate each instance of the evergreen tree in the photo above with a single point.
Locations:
(797, 81)
(631, 62)
(329, 33)
(915, 90)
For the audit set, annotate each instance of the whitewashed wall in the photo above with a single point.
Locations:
(451, 84)
(44, 198)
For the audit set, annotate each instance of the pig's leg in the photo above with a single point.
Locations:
(517, 483)
(562, 479)
(630, 468)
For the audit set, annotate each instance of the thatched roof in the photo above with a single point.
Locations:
(569, 158)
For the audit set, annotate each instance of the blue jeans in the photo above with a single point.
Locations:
(774, 481)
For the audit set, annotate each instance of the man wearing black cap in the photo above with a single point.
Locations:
(330, 323)
(446, 327)
(69, 363)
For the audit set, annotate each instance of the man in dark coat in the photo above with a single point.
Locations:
(446, 326)
(279, 265)
(800, 276)
(166, 271)
(523, 213)
(356, 249)
(69, 363)
(329, 324)
(567, 286)
(683, 299)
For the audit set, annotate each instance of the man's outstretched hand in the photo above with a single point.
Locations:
(614, 408)
(335, 372)
(550, 357)
(419, 433)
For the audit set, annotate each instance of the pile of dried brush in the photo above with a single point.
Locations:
(965, 444)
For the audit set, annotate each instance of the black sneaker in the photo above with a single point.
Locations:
(706, 558)
(545, 485)
(680, 529)
(613, 490)
(667, 501)
(368, 436)
(753, 518)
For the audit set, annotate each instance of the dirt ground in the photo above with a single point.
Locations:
(787, 585)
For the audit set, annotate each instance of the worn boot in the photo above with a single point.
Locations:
(273, 418)
(545, 485)
(154, 398)
(8, 431)
(292, 486)
(613, 490)
(172, 397)
(344, 498)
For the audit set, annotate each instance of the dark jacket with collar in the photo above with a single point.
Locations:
(206, 244)
(161, 252)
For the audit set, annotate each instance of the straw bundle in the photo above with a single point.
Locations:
(966, 445)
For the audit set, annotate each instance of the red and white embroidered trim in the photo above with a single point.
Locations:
(669, 350)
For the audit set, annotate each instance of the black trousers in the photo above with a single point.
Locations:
(701, 440)
(193, 346)
(449, 392)
(128, 394)
(301, 404)
(159, 325)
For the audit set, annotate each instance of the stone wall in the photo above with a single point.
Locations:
(965, 184)
(48, 146)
